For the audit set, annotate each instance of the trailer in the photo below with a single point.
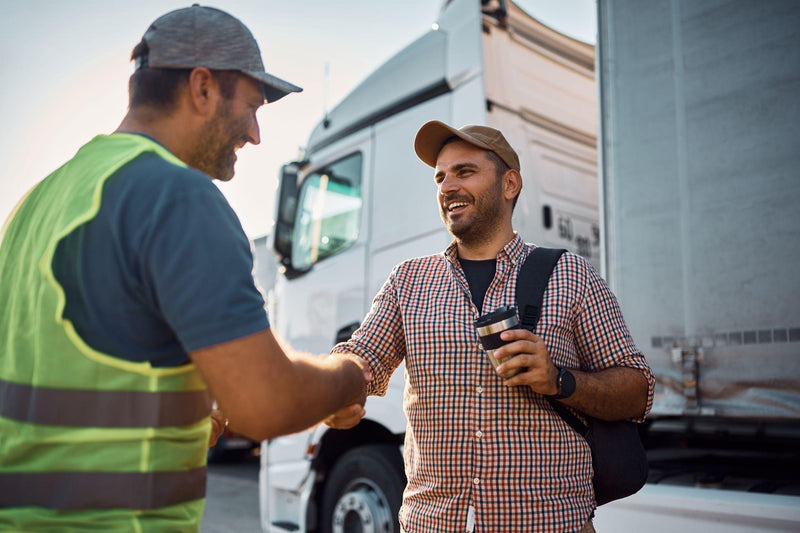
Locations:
(700, 201)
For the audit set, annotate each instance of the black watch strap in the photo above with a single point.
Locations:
(565, 383)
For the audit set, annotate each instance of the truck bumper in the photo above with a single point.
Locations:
(285, 487)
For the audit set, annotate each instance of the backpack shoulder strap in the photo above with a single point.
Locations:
(531, 283)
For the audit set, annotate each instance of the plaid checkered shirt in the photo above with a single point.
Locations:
(475, 450)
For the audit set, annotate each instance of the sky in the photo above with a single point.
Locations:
(64, 68)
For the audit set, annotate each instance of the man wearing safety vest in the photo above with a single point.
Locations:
(128, 303)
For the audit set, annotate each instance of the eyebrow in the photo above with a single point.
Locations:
(459, 166)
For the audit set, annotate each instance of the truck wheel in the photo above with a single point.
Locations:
(363, 492)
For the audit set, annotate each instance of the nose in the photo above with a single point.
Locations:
(253, 132)
(448, 185)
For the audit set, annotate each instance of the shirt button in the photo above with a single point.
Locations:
(479, 390)
(479, 433)
(476, 481)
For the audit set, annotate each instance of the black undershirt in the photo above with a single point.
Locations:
(479, 276)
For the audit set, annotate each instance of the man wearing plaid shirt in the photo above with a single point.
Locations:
(484, 454)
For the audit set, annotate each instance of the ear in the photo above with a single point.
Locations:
(512, 184)
(203, 91)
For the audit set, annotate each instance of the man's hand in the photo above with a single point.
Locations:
(346, 417)
(616, 393)
(218, 424)
(350, 415)
(362, 364)
(527, 353)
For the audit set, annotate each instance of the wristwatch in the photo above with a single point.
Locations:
(566, 384)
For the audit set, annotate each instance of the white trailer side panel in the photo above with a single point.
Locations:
(701, 187)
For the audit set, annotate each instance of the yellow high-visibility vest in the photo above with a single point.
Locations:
(87, 441)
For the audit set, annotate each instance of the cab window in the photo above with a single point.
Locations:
(329, 212)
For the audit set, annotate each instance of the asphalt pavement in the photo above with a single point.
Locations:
(232, 497)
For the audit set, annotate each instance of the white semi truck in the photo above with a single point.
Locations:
(360, 202)
(700, 216)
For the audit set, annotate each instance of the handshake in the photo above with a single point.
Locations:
(295, 392)
(350, 415)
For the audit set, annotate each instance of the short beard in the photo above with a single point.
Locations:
(214, 151)
(478, 231)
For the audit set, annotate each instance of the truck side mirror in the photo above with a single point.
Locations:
(285, 211)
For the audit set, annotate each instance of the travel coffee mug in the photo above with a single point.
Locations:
(490, 326)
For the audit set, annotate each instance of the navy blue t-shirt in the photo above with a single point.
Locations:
(164, 268)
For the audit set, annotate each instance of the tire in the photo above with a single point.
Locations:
(364, 491)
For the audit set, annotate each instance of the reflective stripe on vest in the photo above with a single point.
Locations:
(102, 490)
(103, 409)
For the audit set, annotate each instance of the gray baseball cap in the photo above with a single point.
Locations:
(200, 36)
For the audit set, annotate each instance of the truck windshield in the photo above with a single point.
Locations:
(329, 212)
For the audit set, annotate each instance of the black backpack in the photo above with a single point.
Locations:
(618, 457)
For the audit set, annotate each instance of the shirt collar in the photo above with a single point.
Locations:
(512, 251)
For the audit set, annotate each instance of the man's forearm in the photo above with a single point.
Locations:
(618, 393)
(331, 383)
(265, 394)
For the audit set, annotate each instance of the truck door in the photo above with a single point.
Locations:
(326, 266)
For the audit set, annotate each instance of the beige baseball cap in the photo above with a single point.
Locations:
(432, 135)
(200, 36)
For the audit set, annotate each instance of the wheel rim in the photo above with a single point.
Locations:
(362, 508)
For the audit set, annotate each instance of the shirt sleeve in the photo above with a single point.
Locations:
(601, 335)
(198, 267)
(380, 340)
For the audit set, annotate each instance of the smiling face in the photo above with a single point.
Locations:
(472, 199)
(233, 125)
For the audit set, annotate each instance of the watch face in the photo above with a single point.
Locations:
(567, 383)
